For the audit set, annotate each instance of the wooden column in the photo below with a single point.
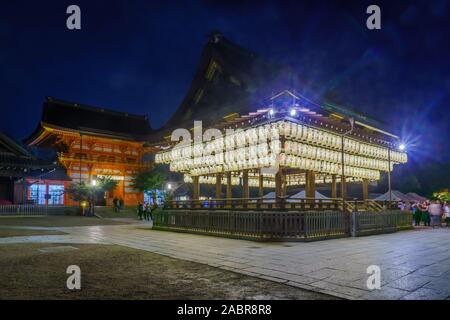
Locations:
(278, 184)
(245, 188)
(229, 192)
(283, 184)
(195, 188)
(280, 191)
(24, 188)
(333, 186)
(365, 186)
(310, 184)
(343, 187)
(218, 186)
(261, 186)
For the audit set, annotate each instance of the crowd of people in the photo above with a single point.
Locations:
(144, 211)
(430, 213)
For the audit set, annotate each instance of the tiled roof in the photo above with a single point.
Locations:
(231, 79)
(98, 121)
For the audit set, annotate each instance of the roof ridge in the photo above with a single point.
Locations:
(95, 109)
(13, 144)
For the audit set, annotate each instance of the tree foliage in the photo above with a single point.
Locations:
(82, 191)
(149, 180)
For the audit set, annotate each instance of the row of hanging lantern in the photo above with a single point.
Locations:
(318, 153)
(320, 137)
(300, 179)
(305, 148)
(235, 181)
(268, 181)
(270, 133)
(319, 166)
(328, 167)
(258, 138)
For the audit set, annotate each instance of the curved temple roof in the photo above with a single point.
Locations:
(61, 114)
(232, 81)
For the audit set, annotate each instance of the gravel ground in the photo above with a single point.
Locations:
(116, 272)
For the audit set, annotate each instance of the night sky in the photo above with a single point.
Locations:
(140, 57)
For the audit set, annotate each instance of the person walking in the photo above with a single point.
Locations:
(140, 211)
(425, 213)
(116, 204)
(414, 213)
(435, 210)
(419, 213)
(447, 214)
(148, 212)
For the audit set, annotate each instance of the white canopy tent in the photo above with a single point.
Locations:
(396, 196)
(416, 197)
(302, 194)
(269, 197)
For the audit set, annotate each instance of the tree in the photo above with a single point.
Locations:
(83, 192)
(149, 181)
(443, 195)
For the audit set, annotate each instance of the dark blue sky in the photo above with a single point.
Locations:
(140, 56)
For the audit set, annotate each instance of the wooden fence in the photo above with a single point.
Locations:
(256, 225)
(35, 210)
(280, 226)
(366, 223)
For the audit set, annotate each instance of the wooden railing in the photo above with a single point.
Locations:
(257, 204)
(256, 225)
(280, 203)
(365, 223)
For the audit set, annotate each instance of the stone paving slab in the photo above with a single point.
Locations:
(414, 264)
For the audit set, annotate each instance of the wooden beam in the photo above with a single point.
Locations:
(261, 186)
(229, 190)
(245, 187)
(283, 183)
(365, 186)
(310, 184)
(343, 187)
(195, 188)
(333, 186)
(278, 182)
(218, 186)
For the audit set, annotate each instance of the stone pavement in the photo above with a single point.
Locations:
(414, 264)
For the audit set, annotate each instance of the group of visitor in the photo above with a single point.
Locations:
(144, 211)
(431, 213)
(118, 204)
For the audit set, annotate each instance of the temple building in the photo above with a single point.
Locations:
(93, 142)
(19, 169)
(263, 126)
